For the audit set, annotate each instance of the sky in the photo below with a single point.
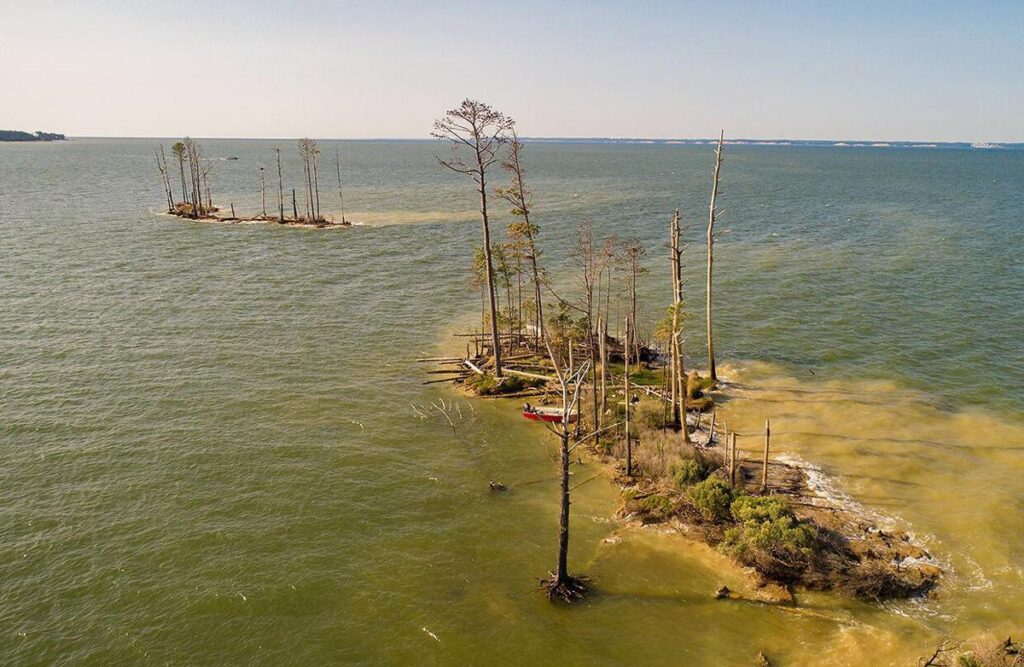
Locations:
(864, 70)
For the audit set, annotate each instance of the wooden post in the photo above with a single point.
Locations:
(725, 446)
(764, 466)
(629, 444)
(711, 429)
(295, 207)
(735, 462)
(603, 351)
(232, 209)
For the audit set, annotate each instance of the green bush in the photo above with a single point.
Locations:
(688, 472)
(655, 505)
(768, 525)
(712, 498)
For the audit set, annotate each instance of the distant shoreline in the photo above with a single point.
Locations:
(790, 143)
(19, 136)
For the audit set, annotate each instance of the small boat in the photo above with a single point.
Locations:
(553, 415)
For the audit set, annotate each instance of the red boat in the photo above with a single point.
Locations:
(553, 415)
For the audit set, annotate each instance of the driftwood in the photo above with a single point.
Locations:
(474, 367)
(535, 376)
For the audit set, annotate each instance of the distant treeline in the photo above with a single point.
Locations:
(18, 135)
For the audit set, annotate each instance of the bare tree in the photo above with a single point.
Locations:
(206, 168)
(632, 255)
(178, 149)
(477, 128)
(713, 213)
(161, 164)
(678, 375)
(522, 202)
(192, 151)
(308, 151)
(263, 189)
(316, 181)
(280, 187)
(560, 584)
(341, 198)
(585, 254)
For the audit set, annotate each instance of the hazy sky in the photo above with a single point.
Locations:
(803, 70)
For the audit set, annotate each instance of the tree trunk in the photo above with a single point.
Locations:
(711, 255)
(263, 190)
(341, 198)
(563, 518)
(181, 168)
(280, 188)
(629, 443)
(489, 267)
(316, 187)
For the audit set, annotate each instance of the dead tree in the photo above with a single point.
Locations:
(341, 198)
(194, 154)
(316, 182)
(678, 375)
(584, 254)
(280, 187)
(161, 164)
(632, 256)
(625, 381)
(309, 151)
(178, 149)
(522, 202)
(560, 584)
(263, 189)
(477, 128)
(713, 214)
(205, 169)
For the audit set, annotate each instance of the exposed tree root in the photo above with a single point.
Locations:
(569, 590)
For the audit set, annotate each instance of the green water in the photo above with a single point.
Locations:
(209, 453)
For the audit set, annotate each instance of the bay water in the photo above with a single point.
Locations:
(211, 446)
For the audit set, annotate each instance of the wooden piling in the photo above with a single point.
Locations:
(764, 463)
(735, 461)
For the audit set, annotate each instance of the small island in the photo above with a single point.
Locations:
(196, 200)
(629, 401)
(38, 135)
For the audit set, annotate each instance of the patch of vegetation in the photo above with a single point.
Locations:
(688, 472)
(696, 385)
(767, 530)
(649, 413)
(656, 506)
(712, 498)
(488, 385)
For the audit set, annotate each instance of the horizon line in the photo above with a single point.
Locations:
(747, 141)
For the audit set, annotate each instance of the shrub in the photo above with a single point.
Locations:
(767, 525)
(712, 498)
(655, 506)
(688, 471)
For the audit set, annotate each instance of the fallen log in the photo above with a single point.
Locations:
(535, 376)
